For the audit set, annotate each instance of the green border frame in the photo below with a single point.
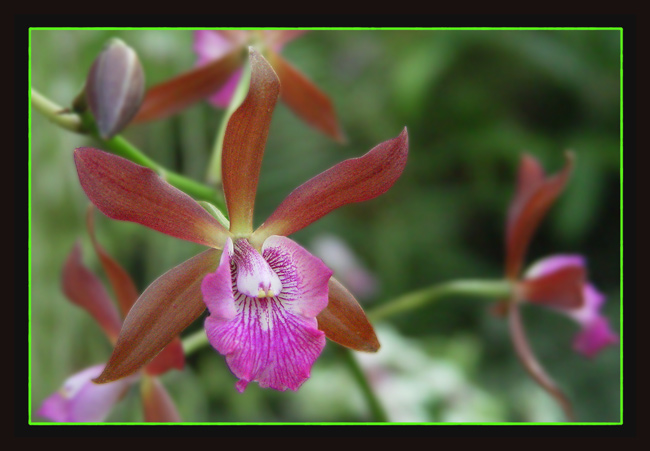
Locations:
(29, 246)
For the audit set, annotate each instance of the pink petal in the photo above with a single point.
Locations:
(595, 336)
(210, 45)
(554, 263)
(595, 332)
(244, 141)
(86, 290)
(277, 39)
(80, 400)
(353, 180)
(535, 195)
(223, 96)
(272, 340)
(125, 191)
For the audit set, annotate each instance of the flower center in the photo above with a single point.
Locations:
(255, 278)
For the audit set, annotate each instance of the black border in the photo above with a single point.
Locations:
(22, 428)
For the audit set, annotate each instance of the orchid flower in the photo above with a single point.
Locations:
(221, 57)
(558, 282)
(79, 399)
(271, 303)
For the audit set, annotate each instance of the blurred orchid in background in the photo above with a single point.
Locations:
(221, 56)
(81, 400)
(271, 303)
(558, 282)
(338, 256)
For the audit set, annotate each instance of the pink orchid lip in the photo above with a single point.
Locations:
(79, 400)
(270, 339)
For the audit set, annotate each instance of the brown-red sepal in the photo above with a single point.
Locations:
(354, 180)
(344, 321)
(244, 142)
(173, 96)
(83, 288)
(126, 191)
(535, 195)
(305, 99)
(562, 288)
(170, 304)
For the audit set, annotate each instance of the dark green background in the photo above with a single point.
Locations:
(473, 101)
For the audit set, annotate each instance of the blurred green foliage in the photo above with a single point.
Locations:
(473, 101)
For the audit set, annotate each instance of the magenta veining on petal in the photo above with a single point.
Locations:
(263, 311)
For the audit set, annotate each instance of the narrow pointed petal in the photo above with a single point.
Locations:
(273, 340)
(170, 304)
(79, 400)
(126, 292)
(530, 363)
(354, 180)
(125, 191)
(84, 289)
(173, 96)
(157, 404)
(121, 282)
(534, 198)
(306, 100)
(244, 141)
(344, 321)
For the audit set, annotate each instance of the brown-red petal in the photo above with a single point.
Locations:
(173, 96)
(158, 406)
(83, 288)
(171, 357)
(244, 142)
(125, 191)
(530, 205)
(121, 282)
(562, 288)
(170, 304)
(344, 321)
(305, 99)
(354, 180)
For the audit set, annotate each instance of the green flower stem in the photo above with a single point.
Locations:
(120, 146)
(213, 176)
(194, 342)
(60, 116)
(476, 288)
(378, 412)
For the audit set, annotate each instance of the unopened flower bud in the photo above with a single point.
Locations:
(115, 87)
